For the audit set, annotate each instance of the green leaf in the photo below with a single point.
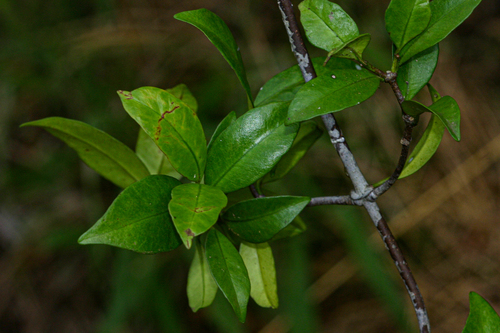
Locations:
(283, 86)
(482, 317)
(100, 151)
(138, 219)
(425, 148)
(327, 26)
(334, 92)
(435, 96)
(258, 259)
(249, 147)
(219, 34)
(258, 220)
(225, 123)
(182, 92)
(446, 16)
(353, 49)
(201, 287)
(194, 209)
(296, 227)
(308, 133)
(414, 108)
(173, 126)
(446, 108)
(229, 271)
(152, 157)
(414, 74)
(405, 19)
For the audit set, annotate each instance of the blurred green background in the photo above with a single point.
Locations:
(68, 58)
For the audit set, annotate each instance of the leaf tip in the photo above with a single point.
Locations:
(125, 94)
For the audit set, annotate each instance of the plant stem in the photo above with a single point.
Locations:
(361, 186)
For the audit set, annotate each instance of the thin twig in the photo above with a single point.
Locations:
(361, 186)
(335, 200)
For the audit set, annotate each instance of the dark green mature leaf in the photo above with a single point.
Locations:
(283, 86)
(334, 92)
(201, 286)
(138, 219)
(327, 26)
(446, 16)
(173, 126)
(182, 92)
(446, 108)
(414, 108)
(100, 151)
(229, 271)
(308, 133)
(219, 34)
(258, 220)
(352, 49)
(425, 148)
(194, 209)
(405, 19)
(414, 74)
(296, 227)
(258, 259)
(152, 157)
(482, 317)
(249, 147)
(228, 120)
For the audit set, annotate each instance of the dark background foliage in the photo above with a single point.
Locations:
(67, 58)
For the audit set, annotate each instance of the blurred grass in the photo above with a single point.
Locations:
(61, 58)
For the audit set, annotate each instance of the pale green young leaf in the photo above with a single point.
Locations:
(152, 157)
(326, 24)
(229, 271)
(219, 34)
(138, 219)
(334, 92)
(182, 92)
(107, 156)
(172, 125)
(405, 19)
(249, 148)
(414, 74)
(446, 16)
(259, 260)
(195, 208)
(201, 287)
(258, 220)
(482, 317)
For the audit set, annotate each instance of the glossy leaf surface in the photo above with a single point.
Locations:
(201, 287)
(425, 148)
(152, 157)
(219, 34)
(228, 120)
(353, 49)
(182, 92)
(258, 220)
(482, 317)
(414, 74)
(308, 133)
(327, 26)
(405, 19)
(107, 156)
(138, 219)
(283, 86)
(336, 91)
(249, 147)
(296, 227)
(173, 126)
(446, 108)
(446, 16)
(195, 208)
(229, 271)
(259, 260)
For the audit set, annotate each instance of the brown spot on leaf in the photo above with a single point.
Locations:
(189, 232)
(126, 95)
(158, 128)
